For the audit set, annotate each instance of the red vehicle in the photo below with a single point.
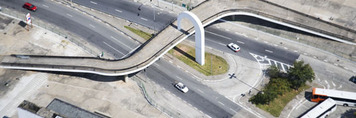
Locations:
(29, 6)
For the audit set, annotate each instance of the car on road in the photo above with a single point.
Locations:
(353, 79)
(29, 6)
(234, 47)
(180, 86)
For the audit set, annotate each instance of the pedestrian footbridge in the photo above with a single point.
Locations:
(208, 12)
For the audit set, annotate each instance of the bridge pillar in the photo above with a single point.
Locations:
(199, 35)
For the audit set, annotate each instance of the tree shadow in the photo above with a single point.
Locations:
(351, 113)
(184, 53)
(308, 95)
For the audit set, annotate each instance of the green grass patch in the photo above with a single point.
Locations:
(214, 65)
(140, 33)
(276, 106)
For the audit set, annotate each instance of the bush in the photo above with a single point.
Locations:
(277, 86)
(299, 74)
(280, 84)
(273, 72)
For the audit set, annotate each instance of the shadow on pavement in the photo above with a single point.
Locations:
(308, 95)
(90, 76)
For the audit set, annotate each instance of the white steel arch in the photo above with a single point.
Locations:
(199, 35)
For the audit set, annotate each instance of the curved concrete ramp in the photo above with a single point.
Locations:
(156, 47)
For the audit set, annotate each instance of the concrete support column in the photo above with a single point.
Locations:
(199, 35)
(126, 77)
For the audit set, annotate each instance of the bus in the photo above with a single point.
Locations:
(321, 110)
(341, 97)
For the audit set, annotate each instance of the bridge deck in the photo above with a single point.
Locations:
(165, 40)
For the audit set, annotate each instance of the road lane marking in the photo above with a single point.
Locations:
(200, 91)
(233, 110)
(327, 84)
(93, 2)
(120, 42)
(269, 51)
(283, 68)
(45, 6)
(91, 25)
(179, 78)
(156, 64)
(217, 42)
(144, 19)
(221, 103)
(218, 35)
(240, 42)
(118, 10)
(113, 48)
(69, 15)
(332, 82)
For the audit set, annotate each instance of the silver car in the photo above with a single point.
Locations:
(234, 47)
(180, 86)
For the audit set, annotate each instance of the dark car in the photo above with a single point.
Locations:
(353, 79)
(29, 6)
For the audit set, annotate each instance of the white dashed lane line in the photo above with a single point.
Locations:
(217, 42)
(200, 91)
(93, 2)
(118, 10)
(218, 35)
(91, 25)
(240, 42)
(120, 42)
(113, 48)
(69, 15)
(221, 103)
(144, 19)
(45, 6)
(269, 51)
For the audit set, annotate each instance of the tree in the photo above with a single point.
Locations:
(273, 72)
(299, 74)
(278, 86)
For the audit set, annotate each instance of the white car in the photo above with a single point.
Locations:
(180, 86)
(234, 47)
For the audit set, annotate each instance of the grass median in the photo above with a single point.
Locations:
(140, 33)
(214, 65)
(276, 106)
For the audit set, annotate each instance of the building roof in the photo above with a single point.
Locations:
(71, 111)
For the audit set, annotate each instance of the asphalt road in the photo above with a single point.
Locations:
(203, 97)
(218, 39)
(86, 27)
(199, 95)
(145, 15)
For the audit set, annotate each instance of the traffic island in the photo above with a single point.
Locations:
(140, 33)
(214, 65)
